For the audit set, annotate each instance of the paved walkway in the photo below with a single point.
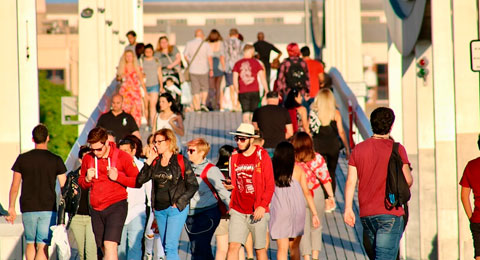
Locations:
(339, 241)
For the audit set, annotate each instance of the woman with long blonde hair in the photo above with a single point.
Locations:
(131, 76)
(326, 126)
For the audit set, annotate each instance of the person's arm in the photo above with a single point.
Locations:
(142, 81)
(303, 114)
(288, 131)
(275, 49)
(210, 66)
(62, 178)
(177, 125)
(191, 186)
(349, 216)
(408, 174)
(154, 126)
(255, 125)
(12, 214)
(465, 197)
(215, 177)
(235, 81)
(127, 174)
(85, 178)
(137, 134)
(341, 132)
(160, 79)
(269, 182)
(307, 195)
(263, 78)
(305, 68)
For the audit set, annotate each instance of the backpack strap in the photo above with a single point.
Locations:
(182, 164)
(205, 179)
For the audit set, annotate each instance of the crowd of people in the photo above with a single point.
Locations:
(132, 201)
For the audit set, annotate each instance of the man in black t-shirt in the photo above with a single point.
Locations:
(37, 171)
(263, 49)
(273, 121)
(116, 120)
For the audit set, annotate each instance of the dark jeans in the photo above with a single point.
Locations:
(200, 229)
(382, 234)
(475, 228)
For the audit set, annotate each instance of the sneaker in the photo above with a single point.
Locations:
(148, 257)
(204, 108)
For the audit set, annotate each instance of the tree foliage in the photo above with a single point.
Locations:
(62, 137)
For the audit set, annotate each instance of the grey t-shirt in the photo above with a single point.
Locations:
(150, 68)
(200, 63)
(164, 59)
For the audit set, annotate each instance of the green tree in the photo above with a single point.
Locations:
(62, 137)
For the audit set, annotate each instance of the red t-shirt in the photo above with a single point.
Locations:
(471, 179)
(314, 68)
(247, 70)
(244, 170)
(371, 157)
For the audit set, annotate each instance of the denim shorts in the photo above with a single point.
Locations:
(153, 89)
(37, 226)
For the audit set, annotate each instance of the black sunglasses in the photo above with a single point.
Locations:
(240, 138)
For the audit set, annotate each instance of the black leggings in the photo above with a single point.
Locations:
(330, 150)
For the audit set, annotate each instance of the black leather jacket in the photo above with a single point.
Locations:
(181, 190)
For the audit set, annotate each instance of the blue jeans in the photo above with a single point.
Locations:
(200, 229)
(131, 244)
(170, 223)
(37, 226)
(382, 234)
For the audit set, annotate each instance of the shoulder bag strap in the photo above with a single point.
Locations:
(205, 179)
(181, 163)
(195, 54)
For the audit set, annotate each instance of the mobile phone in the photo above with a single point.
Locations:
(155, 149)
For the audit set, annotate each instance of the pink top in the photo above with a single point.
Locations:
(316, 172)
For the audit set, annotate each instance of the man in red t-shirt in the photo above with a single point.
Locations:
(106, 171)
(369, 163)
(315, 71)
(245, 82)
(471, 181)
(253, 186)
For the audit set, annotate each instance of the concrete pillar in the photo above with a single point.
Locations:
(88, 87)
(138, 19)
(465, 18)
(102, 57)
(109, 48)
(117, 48)
(395, 89)
(426, 212)
(19, 101)
(445, 129)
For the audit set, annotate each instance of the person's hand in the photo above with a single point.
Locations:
(170, 66)
(210, 73)
(315, 221)
(349, 217)
(347, 154)
(172, 121)
(151, 155)
(174, 205)
(258, 213)
(12, 215)
(90, 174)
(113, 173)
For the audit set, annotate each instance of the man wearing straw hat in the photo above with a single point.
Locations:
(106, 171)
(253, 186)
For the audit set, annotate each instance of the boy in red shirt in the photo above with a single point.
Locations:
(253, 186)
(245, 82)
(471, 181)
(107, 171)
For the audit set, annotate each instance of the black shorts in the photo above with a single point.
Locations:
(475, 228)
(249, 101)
(108, 224)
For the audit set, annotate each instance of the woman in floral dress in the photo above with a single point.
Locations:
(130, 73)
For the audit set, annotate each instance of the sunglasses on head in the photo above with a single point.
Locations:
(240, 138)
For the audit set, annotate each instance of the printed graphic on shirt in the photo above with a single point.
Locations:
(245, 178)
(246, 73)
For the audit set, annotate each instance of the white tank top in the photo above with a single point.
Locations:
(164, 123)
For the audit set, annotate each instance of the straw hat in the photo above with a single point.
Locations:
(247, 130)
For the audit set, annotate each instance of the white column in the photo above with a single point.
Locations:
(465, 21)
(395, 89)
(102, 57)
(138, 20)
(445, 124)
(109, 64)
(88, 88)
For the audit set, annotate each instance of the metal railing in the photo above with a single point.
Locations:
(103, 105)
(346, 99)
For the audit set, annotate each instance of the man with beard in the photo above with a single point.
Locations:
(253, 186)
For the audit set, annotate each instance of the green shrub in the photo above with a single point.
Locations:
(62, 137)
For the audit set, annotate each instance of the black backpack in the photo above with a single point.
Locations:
(296, 76)
(397, 191)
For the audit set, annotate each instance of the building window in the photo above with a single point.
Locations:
(56, 76)
(220, 21)
(268, 20)
(382, 74)
(172, 21)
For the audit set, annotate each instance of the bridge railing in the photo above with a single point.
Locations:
(103, 105)
(345, 98)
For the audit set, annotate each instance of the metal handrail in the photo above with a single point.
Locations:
(344, 96)
(103, 105)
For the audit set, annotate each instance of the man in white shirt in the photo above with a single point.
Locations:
(199, 57)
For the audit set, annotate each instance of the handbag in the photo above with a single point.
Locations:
(186, 73)
(178, 70)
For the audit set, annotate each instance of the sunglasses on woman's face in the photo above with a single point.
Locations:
(190, 151)
(241, 139)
